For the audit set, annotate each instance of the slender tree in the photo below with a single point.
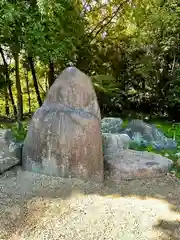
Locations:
(19, 91)
(8, 82)
(31, 64)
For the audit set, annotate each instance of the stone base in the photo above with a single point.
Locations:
(49, 167)
(130, 164)
(8, 162)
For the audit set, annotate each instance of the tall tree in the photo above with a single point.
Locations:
(12, 17)
(26, 71)
(19, 91)
(8, 81)
(31, 64)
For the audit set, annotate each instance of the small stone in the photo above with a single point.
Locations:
(113, 143)
(111, 125)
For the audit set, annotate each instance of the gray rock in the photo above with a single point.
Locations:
(16, 149)
(9, 156)
(64, 136)
(111, 125)
(113, 143)
(146, 134)
(130, 164)
(7, 162)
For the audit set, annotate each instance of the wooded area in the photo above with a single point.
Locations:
(130, 48)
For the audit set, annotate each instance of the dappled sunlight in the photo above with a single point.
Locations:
(89, 98)
(95, 217)
(35, 206)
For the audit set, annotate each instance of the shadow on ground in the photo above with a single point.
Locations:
(171, 230)
(33, 206)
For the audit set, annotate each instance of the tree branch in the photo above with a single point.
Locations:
(87, 4)
(108, 22)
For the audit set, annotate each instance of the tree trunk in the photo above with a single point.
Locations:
(27, 87)
(6, 101)
(46, 82)
(19, 92)
(51, 76)
(12, 98)
(31, 63)
(8, 82)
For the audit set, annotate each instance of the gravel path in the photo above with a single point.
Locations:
(37, 207)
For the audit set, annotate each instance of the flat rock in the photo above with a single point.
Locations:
(7, 162)
(130, 164)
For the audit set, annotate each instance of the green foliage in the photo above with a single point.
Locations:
(141, 51)
(136, 42)
(53, 29)
(135, 146)
(19, 135)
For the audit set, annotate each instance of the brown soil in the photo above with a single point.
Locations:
(37, 207)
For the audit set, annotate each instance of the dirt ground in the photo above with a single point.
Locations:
(37, 207)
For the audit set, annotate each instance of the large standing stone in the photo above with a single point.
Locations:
(64, 137)
(9, 150)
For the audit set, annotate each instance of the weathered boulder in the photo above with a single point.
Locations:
(9, 150)
(64, 137)
(130, 164)
(145, 134)
(111, 125)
